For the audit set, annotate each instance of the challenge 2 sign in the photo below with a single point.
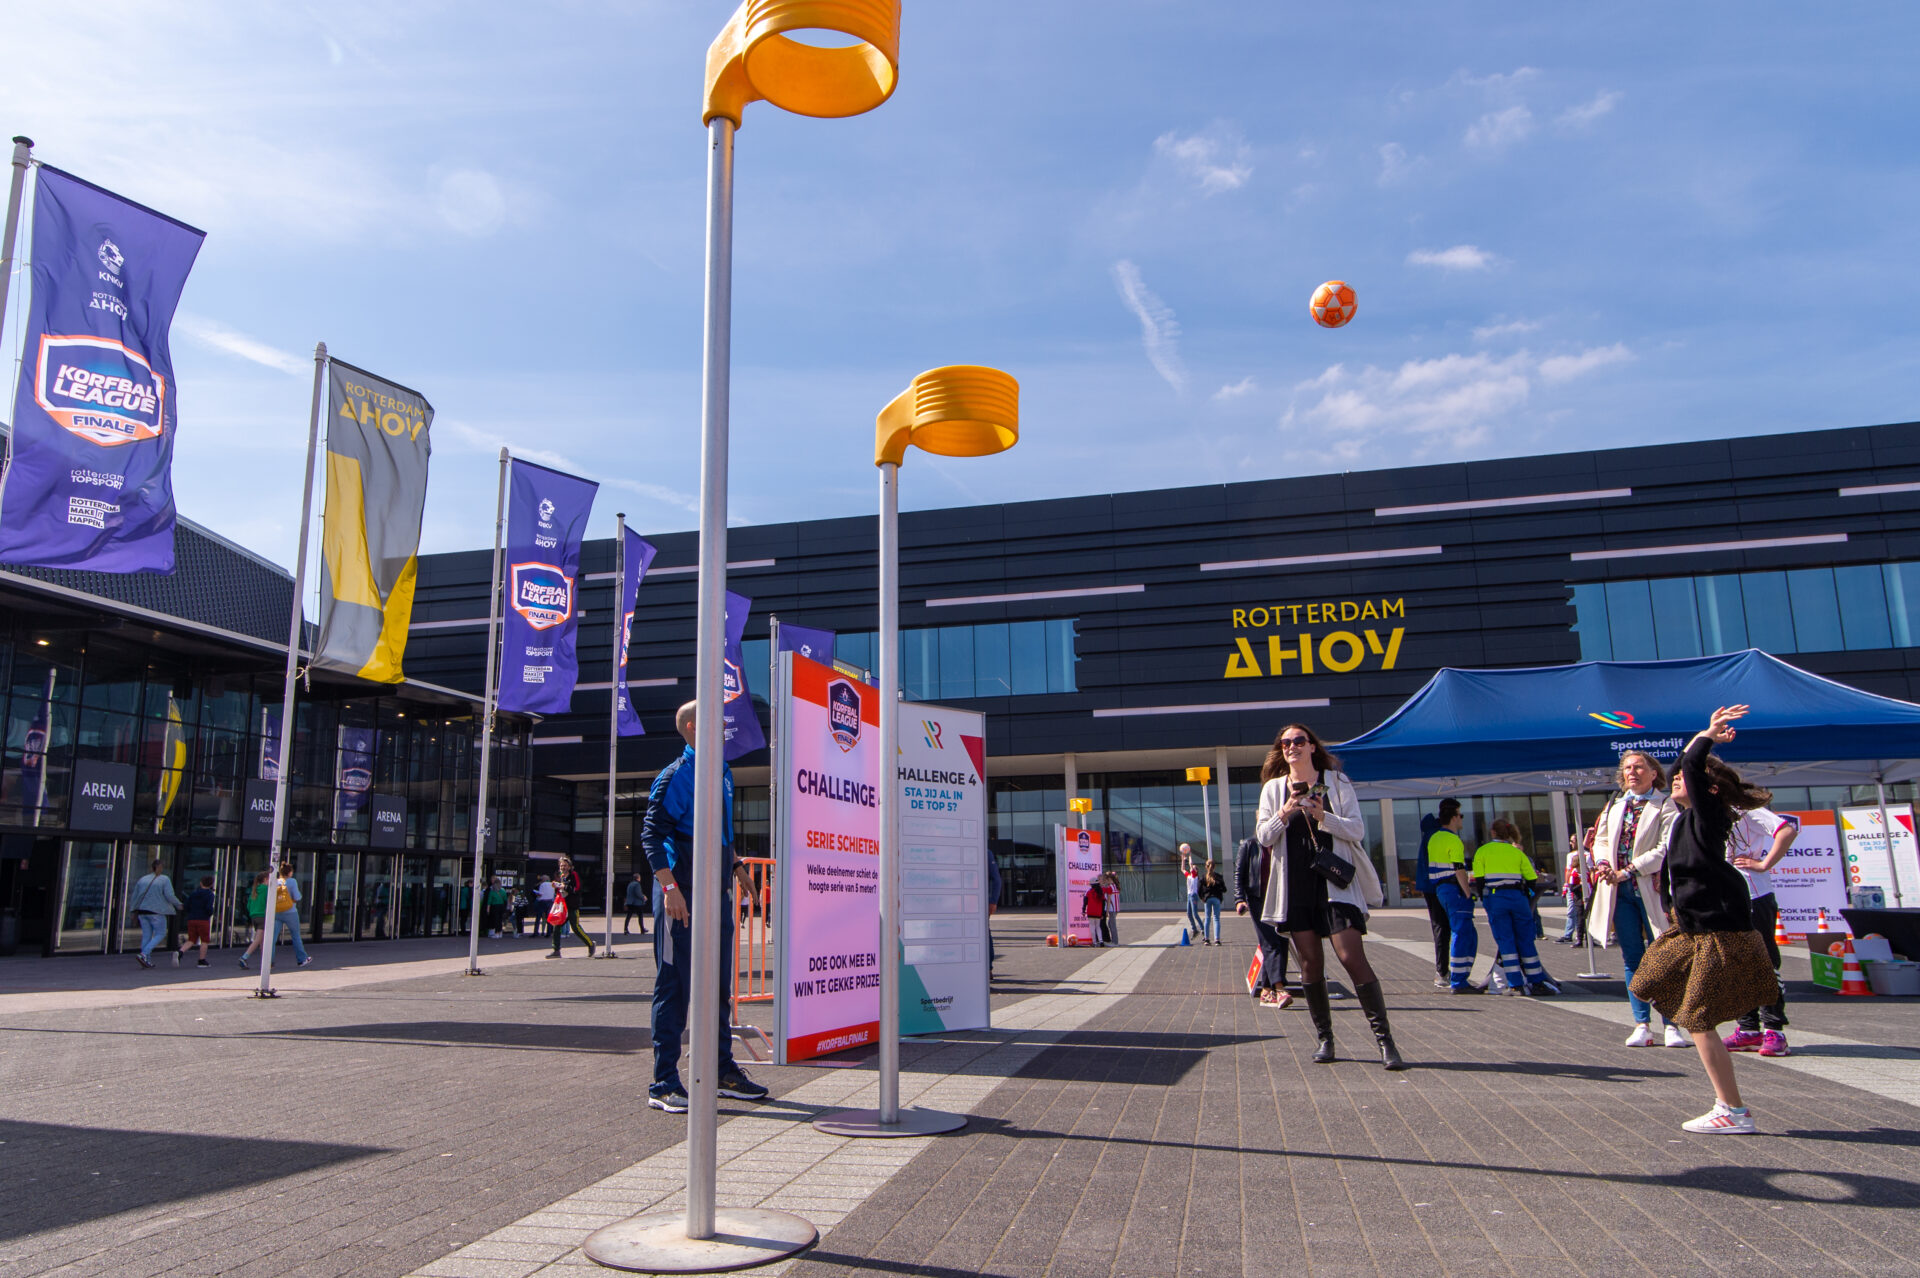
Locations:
(827, 864)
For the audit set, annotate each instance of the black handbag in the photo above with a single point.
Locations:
(1327, 863)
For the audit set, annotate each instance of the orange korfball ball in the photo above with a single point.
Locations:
(1333, 304)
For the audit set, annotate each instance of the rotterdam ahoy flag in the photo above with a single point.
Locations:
(378, 439)
(640, 554)
(814, 644)
(91, 481)
(736, 698)
(546, 518)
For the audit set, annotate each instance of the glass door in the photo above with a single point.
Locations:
(413, 896)
(87, 877)
(376, 897)
(339, 880)
(447, 919)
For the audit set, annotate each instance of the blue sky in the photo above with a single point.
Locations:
(1569, 227)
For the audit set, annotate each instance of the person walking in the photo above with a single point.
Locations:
(286, 913)
(542, 905)
(199, 912)
(637, 904)
(1710, 965)
(566, 891)
(1574, 888)
(256, 916)
(1192, 877)
(1213, 890)
(1629, 841)
(1112, 885)
(1094, 905)
(1504, 879)
(496, 907)
(1437, 923)
(152, 902)
(666, 836)
(1762, 1030)
(1323, 881)
(1251, 872)
(1449, 881)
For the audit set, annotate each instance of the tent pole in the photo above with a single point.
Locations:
(1586, 869)
(1886, 829)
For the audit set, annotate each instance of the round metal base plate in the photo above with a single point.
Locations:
(657, 1243)
(866, 1122)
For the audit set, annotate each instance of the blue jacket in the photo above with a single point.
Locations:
(666, 835)
(1428, 825)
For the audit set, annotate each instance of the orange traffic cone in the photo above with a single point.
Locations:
(1822, 925)
(1780, 936)
(1852, 981)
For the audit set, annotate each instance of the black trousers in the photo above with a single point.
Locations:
(1442, 936)
(636, 912)
(1273, 954)
(1774, 1016)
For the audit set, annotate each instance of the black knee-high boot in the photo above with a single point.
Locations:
(1322, 1014)
(1374, 1003)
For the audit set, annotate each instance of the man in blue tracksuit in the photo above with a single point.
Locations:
(666, 836)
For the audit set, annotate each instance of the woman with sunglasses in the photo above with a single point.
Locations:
(1307, 810)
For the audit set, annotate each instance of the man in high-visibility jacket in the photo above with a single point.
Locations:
(1447, 877)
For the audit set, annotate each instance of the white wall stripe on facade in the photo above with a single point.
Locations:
(1082, 592)
(1876, 490)
(733, 565)
(1306, 703)
(1335, 557)
(540, 741)
(1501, 503)
(604, 684)
(1707, 547)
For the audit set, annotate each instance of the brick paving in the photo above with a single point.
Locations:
(376, 1128)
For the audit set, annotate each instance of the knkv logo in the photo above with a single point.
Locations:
(843, 714)
(932, 730)
(542, 594)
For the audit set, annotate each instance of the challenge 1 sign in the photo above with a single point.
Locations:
(827, 866)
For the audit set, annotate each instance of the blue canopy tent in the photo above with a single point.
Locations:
(1564, 727)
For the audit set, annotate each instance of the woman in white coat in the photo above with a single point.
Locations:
(1629, 848)
(1307, 808)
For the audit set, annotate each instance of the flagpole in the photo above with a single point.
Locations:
(22, 157)
(295, 623)
(487, 701)
(613, 701)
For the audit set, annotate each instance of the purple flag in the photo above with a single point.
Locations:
(808, 642)
(353, 773)
(546, 515)
(743, 726)
(639, 558)
(91, 479)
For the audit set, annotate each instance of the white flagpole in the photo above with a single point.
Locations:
(613, 708)
(22, 157)
(295, 624)
(488, 699)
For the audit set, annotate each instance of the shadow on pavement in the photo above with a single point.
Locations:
(1552, 1069)
(54, 1176)
(617, 1040)
(1871, 1136)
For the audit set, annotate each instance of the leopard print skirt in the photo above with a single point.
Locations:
(1700, 980)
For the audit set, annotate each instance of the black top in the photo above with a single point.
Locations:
(1250, 874)
(1216, 890)
(200, 904)
(1708, 893)
(1306, 890)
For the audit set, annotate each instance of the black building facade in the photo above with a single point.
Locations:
(1114, 641)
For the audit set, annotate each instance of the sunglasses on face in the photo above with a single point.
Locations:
(1295, 743)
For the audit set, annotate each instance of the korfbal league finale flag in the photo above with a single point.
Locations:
(815, 645)
(743, 726)
(546, 517)
(378, 439)
(91, 479)
(639, 558)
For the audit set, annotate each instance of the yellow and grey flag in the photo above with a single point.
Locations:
(378, 440)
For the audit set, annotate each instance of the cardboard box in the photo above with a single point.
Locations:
(1872, 949)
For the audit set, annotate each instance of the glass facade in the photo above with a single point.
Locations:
(1862, 606)
(954, 663)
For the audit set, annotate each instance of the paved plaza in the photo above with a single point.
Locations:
(1133, 1113)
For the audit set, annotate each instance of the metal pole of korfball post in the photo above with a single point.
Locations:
(619, 633)
(889, 794)
(709, 727)
(295, 624)
(481, 825)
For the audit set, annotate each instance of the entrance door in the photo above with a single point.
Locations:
(88, 875)
(375, 921)
(339, 880)
(414, 903)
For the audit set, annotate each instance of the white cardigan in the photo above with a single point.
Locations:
(1349, 830)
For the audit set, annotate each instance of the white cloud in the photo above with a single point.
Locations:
(1236, 390)
(1580, 117)
(1219, 159)
(1507, 329)
(1448, 403)
(1560, 368)
(1500, 128)
(471, 203)
(221, 338)
(486, 441)
(1498, 82)
(1461, 257)
(1396, 166)
(1159, 331)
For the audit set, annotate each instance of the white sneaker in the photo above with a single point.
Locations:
(1722, 1121)
(1642, 1036)
(1676, 1038)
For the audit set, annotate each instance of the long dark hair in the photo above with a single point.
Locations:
(1731, 789)
(1276, 762)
